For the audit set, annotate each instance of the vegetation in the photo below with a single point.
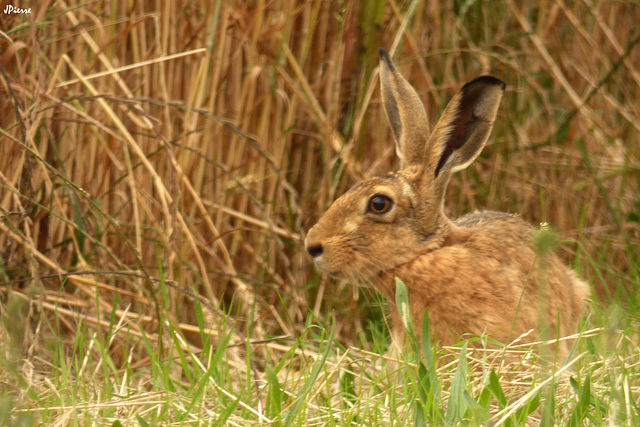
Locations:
(161, 161)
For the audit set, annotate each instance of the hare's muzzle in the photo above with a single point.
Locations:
(312, 243)
(315, 250)
(314, 247)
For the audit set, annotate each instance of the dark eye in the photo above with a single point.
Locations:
(379, 204)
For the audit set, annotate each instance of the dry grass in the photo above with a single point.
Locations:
(160, 155)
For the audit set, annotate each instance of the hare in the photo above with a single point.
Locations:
(479, 274)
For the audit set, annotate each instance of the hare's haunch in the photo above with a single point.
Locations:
(476, 275)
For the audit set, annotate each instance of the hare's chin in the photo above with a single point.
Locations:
(333, 274)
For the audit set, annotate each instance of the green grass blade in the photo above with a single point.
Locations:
(297, 404)
(275, 398)
(427, 348)
(458, 404)
(224, 416)
(548, 419)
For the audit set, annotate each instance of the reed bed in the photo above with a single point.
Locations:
(160, 163)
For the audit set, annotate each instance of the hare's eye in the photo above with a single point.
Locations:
(379, 204)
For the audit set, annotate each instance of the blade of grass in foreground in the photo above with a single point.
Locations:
(275, 397)
(293, 412)
(427, 401)
(457, 406)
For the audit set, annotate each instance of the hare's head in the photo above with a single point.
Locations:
(383, 222)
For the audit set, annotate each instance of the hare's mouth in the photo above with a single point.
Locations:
(334, 274)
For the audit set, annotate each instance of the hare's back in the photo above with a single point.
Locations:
(508, 240)
(481, 219)
(490, 230)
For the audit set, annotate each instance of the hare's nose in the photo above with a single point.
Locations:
(315, 250)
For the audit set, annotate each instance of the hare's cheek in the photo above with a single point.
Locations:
(335, 258)
(352, 262)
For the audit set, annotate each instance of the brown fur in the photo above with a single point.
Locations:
(477, 275)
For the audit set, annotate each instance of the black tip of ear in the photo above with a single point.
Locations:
(384, 56)
(487, 80)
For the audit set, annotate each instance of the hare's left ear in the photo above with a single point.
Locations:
(405, 113)
(464, 127)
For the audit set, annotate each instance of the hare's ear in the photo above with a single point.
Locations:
(465, 125)
(405, 112)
